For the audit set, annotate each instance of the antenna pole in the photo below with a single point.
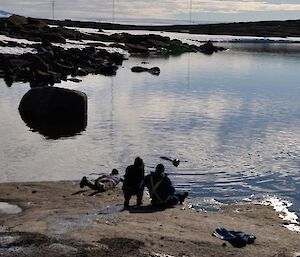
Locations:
(53, 3)
(113, 17)
(191, 6)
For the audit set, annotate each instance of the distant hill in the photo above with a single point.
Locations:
(4, 14)
(288, 28)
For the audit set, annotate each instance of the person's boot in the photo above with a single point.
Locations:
(126, 204)
(139, 202)
(182, 197)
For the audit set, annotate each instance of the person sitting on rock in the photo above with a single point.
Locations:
(133, 182)
(103, 183)
(161, 190)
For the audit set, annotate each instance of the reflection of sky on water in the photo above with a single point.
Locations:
(234, 117)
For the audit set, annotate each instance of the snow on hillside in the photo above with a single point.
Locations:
(4, 14)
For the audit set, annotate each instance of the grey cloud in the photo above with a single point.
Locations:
(141, 9)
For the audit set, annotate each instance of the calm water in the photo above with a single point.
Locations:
(233, 119)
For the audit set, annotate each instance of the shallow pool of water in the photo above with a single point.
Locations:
(232, 118)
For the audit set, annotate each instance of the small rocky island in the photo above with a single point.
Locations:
(52, 62)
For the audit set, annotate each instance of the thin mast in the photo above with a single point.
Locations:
(191, 6)
(53, 3)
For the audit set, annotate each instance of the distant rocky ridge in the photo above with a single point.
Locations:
(51, 63)
(288, 28)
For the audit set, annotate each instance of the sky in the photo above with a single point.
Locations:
(183, 11)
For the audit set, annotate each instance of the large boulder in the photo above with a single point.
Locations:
(54, 111)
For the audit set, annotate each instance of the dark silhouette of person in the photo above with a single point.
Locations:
(103, 183)
(133, 182)
(161, 190)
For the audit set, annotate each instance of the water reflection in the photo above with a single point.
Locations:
(56, 130)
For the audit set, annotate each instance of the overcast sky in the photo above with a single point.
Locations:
(202, 10)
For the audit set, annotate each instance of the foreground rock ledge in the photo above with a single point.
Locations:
(60, 219)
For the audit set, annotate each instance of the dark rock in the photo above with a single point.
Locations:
(159, 42)
(13, 44)
(17, 63)
(97, 44)
(46, 43)
(138, 69)
(35, 24)
(117, 45)
(137, 49)
(209, 48)
(75, 80)
(38, 64)
(63, 69)
(53, 111)
(116, 58)
(153, 70)
(53, 37)
(39, 79)
(82, 72)
(107, 70)
(17, 20)
(54, 77)
(64, 32)
(2, 73)
(176, 47)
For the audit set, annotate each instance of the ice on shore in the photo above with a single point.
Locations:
(282, 207)
(6, 208)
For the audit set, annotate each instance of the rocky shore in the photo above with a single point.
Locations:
(60, 219)
(52, 62)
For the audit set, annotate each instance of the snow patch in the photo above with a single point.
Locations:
(282, 207)
(4, 14)
(6, 208)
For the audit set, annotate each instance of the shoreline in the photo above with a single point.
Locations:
(64, 218)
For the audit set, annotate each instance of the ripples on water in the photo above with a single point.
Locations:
(232, 118)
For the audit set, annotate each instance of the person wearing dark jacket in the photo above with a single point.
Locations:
(133, 182)
(161, 190)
